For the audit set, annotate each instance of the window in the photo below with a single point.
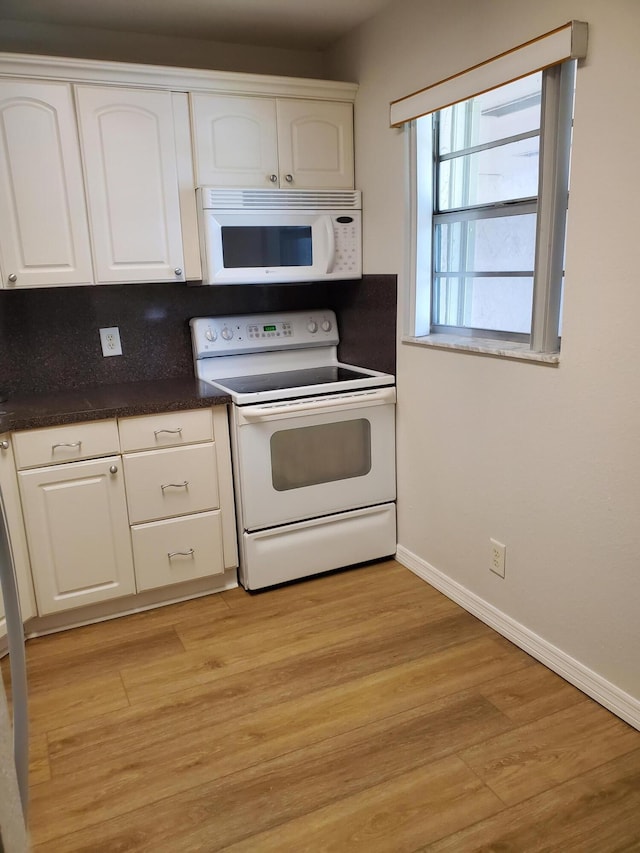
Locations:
(489, 181)
(491, 188)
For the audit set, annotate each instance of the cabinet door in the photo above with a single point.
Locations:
(235, 141)
(44, 238)
(128, 146)
(78, 533)
(315, 144)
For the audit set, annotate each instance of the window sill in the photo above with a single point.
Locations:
(484, 346)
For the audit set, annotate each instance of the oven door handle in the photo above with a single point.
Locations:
(378, 397)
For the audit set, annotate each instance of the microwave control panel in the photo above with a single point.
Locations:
(346, 231)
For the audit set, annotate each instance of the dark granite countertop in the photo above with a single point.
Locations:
(94, 403)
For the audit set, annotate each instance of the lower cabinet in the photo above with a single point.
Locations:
(78, 533)
(156, 511)
(177, 549)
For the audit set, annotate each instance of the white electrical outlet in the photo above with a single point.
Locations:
(110, 340)
(498, 557)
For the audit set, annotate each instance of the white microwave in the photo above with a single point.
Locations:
(260, 236)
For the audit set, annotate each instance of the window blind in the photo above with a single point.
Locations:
(559, 45)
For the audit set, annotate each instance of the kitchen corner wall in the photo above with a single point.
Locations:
(546, 460)
(49, 337)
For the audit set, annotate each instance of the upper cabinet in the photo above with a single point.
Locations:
(44, 239)
(235, 143)
(267, 142)
(99, 162)
(315, 144)
(128, 147)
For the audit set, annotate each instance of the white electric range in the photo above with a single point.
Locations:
(313, 443)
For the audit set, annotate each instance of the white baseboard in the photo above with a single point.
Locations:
(607, 694)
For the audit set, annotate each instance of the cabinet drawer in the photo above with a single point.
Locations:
(53, 445)
(153, 432)
(176, 550)
(165, 483)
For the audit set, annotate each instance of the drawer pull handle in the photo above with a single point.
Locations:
(178, 431)
(77, 444)
(188, 553)
(183, 485)
(4, 444)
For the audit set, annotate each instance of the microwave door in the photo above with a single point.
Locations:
(263, 246)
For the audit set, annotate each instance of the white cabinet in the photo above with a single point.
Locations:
(58, 444)
(78, 533)
(129, 152)
(179, 496)
(44, 238)
(234, 141)
(176, 481)
(178, 549)
(267, 142)
(315, 144)
(107, 527)
(97, 172)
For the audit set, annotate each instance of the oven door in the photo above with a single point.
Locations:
(307, 458)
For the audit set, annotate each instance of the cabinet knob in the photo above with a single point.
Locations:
(4, 445)
(13, 277)
(273, 179)
(288, 179)
(178, 271)
(113, 469)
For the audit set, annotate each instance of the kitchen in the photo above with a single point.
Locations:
(567, 514)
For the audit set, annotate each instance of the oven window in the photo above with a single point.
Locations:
(266, 246)
(325, 453)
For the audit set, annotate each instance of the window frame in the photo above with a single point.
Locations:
(550, 205)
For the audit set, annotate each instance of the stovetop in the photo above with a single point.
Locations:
(288, 379)
(270, 357)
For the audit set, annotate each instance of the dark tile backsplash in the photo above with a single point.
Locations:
(49, 336)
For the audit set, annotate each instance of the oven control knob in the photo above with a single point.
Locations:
(326, 325)
(210, 334)
(227, 333)
(312, 327)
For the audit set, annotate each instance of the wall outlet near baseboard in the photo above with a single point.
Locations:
(498, 557)
(110, 340)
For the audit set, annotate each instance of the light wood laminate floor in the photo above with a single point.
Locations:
(361, 711)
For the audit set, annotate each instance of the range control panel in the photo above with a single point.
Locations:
(246, 333)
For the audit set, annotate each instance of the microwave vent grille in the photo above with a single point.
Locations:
(257, 199)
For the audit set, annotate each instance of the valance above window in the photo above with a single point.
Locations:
(566, 42)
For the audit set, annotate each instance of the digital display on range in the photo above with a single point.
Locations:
(268, 328)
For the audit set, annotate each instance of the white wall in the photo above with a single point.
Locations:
(89, 43)
(544, 459)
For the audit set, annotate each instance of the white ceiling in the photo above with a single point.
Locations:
(299, 24)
